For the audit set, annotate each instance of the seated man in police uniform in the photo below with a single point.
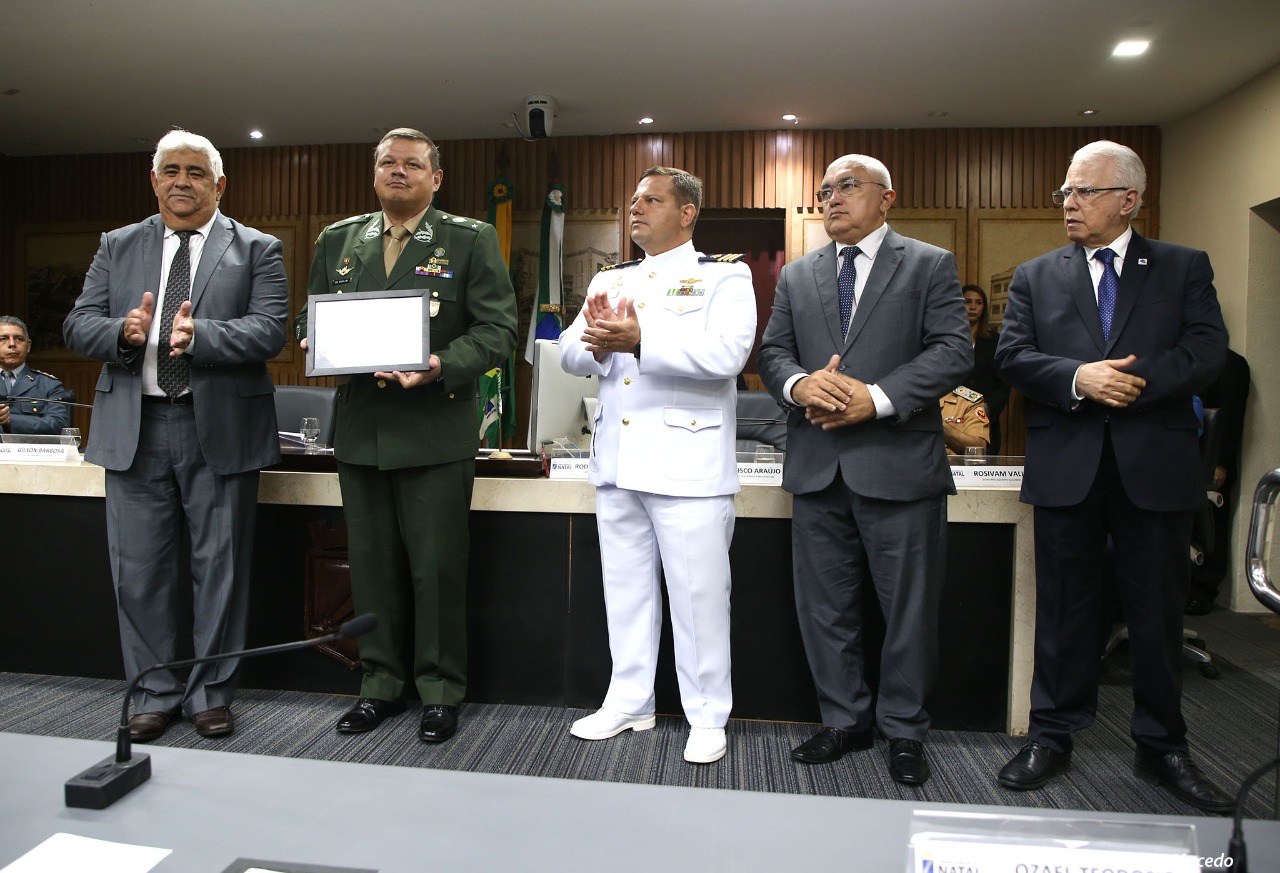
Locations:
(964, 421)
(23, 390)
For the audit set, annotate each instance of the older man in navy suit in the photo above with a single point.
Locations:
(184, 310)
(866, 334)
(1108, 339)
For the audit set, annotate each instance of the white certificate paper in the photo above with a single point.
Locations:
(368, 332)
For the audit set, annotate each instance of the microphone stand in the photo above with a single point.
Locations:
(112, 778)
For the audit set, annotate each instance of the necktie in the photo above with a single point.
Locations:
(8, 379)
(847, 280)
(1107, 287)
(174, 373)
(392, 252)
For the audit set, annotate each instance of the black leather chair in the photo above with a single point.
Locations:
(293, 402)
(760, 421)
(1204, 540)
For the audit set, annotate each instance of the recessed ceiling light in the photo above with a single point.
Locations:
(938, 113)
(646, 120)
(1130, 48)
(255, 134)
(790, 118)
(1088, 112)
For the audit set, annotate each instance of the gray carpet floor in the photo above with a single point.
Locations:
(1232, 720)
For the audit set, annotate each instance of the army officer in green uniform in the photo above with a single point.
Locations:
(406, 442)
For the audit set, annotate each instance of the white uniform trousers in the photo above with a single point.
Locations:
(642, 535)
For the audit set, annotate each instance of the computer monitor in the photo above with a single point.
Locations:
(558, 411)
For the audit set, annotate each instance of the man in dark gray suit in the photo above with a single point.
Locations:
(184, 309)
(866, 334)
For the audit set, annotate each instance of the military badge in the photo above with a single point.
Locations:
(345, 268)
(425, 234)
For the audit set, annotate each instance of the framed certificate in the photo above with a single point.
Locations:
(368, 332)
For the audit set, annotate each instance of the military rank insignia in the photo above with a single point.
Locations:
(436, 271)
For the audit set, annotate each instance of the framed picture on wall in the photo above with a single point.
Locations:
(50, 266)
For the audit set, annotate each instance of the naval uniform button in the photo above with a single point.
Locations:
(452, 395)
(435, 293)
(653, 275)
(626, 421)
(382, 383)
(693, 422)
(639, 306)
(626, 380)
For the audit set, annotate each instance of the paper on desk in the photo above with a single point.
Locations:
(68, 853)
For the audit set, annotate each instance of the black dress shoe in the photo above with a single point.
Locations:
(831, 744)
(1032, 767)
(1177, 772)
(439, 722)
(367, 714)
(907, 763)
(1199, 602)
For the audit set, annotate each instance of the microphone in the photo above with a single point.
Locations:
(112, 778)
(10, 399)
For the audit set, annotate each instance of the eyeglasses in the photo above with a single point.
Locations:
(1083, 194)
(846, 187)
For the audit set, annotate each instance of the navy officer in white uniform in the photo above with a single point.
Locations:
(667, 336)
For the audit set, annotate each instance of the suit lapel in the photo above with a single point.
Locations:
(1075, 271)
(886, 263)
(827, 283)
(152, 258)
(369, 250)
(417, 248)
(1132, 280)
(220, 236)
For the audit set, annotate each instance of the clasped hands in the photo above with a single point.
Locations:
(832, 399)
(608, 329)
(1106, 382)
(137, 324)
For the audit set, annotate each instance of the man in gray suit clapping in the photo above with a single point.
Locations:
(184, 310)
(866, 334)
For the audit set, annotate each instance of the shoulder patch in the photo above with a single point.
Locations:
(353, 219)
(721, 259)
(619, 266)
(968, 394)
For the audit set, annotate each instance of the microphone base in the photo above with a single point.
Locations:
(107, 781)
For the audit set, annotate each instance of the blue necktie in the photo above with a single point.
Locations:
(847, 280)
(174, 373)
(1107, 287)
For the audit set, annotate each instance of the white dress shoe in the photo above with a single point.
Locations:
(605, 723)
(705, 745)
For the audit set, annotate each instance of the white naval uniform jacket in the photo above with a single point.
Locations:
(666, 423)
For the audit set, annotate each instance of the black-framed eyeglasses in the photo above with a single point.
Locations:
(1083, 194)
(846, 187)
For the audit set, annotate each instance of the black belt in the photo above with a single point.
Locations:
(180, 400)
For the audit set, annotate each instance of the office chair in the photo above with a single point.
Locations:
(1204, 541)
(760, 421)
(317, 401)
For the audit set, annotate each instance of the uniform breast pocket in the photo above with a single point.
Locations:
(443, 307)
(692, 438)
(684, 306)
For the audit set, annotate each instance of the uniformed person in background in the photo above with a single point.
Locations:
(406, 442)
(663, 459)
(964, 421)
(22, 389)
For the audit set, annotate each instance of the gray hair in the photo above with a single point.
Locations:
(867, 162)
(688, 187)
(1129, 169)
(14, 320)
(179, 140)
(409, 133)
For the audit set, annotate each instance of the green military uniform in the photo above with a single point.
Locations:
(966, 409)
(406, 458)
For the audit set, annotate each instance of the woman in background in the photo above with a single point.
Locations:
(984, 379)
